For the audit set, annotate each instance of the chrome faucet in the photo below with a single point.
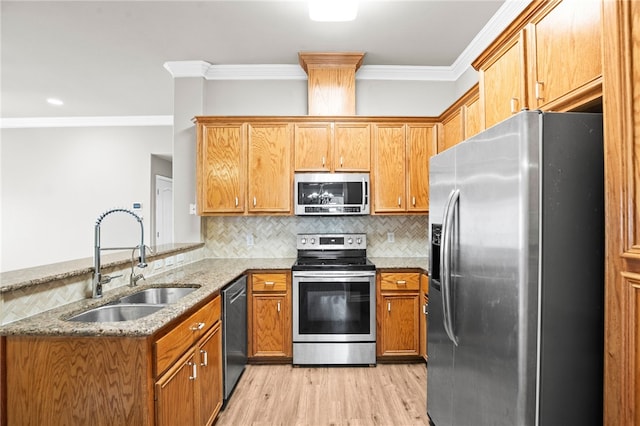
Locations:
(98, 279)
(134, 278)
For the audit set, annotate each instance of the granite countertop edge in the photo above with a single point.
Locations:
(211, 275)
(23, 278)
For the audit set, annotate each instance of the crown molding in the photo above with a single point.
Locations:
(114, 121)
(506, 14)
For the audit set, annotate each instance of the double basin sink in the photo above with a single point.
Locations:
(134, 306)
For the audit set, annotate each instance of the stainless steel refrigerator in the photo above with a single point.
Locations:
(515, 319)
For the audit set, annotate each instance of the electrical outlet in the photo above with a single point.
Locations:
(158, 264)
(391, 237)
(192, 209)
(168, 261)
(249, 240)
(180, 258)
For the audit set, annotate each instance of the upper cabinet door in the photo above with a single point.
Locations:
(502, 82)
(221, 168)
(313, 147)
(565, 52)
(270, 167)
(389, 168)
(420, 147)
(352, 147)
(452, 131)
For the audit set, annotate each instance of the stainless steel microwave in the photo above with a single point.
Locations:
(332, 194)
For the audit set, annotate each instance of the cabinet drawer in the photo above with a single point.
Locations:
(269, 282)
(398, 281)
(173, 344)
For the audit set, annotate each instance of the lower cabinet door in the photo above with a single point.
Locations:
(270, 322)
(210, 375)
(400, 325)
(175, 393)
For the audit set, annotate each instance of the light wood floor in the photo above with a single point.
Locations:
(388, 394)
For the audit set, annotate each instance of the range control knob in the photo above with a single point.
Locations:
(350, 241)
(358, 240)
(313, 241)
(303, 241)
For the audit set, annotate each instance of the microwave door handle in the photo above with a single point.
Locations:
(364, 195)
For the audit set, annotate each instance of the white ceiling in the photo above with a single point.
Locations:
(105, 58)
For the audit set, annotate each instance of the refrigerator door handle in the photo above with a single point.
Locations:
(445, 263)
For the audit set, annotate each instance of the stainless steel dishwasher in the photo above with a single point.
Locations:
(234, 334)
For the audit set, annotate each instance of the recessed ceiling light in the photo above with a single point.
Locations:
(333, 10)
(55, 101)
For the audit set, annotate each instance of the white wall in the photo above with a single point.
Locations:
(56, 181)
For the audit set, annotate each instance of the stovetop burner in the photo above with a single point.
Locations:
(335, 252)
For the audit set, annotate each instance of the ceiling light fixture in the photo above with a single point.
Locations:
(333, 10)
(55, 101)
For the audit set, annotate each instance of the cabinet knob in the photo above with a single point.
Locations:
(197, 326)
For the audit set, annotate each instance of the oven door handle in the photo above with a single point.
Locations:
(334, 274)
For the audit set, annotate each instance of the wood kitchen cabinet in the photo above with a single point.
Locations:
(221, 168)
(193, 382)
(401, 155)
(270, 317)
(502, 81)
(172, 377)
(621, 115)
(270, 180)
(398, 315)
(565, 55)
(461, 120)
(332, 147)
(244, 167)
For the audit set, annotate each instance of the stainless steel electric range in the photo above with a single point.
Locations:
(334, 299)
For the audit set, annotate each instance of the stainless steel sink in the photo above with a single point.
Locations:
(158, 295)
(119, 312)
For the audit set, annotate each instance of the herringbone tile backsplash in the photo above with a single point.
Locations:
(275, 236)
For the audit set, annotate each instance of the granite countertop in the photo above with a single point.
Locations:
(210, 274)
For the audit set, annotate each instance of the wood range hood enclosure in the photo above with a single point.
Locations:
(331, 81)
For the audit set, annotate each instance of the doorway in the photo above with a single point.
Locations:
(164, 211)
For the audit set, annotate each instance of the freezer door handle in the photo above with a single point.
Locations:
(445, 263)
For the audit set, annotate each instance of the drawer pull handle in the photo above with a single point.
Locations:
(269, 283)
(205, 357)
(425, 308)
(198, 326)
(194, 370)
(401, 282)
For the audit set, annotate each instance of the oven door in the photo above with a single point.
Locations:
(334, 306)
